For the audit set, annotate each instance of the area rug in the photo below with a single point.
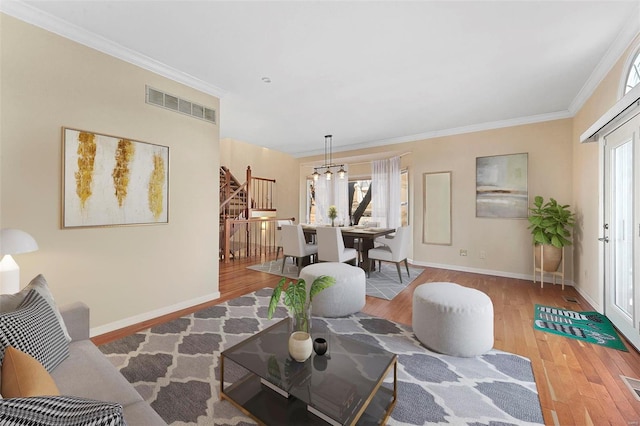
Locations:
(174, 366)
(591, 327)
(383, 283)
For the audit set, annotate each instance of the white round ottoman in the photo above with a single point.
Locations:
(452, 319)
(345, 297)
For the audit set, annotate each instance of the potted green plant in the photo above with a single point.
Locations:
(549, 224)
(295, 299)
(333, 214)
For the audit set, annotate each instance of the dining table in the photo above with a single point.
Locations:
(359, 237)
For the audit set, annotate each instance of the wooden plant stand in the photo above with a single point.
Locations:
(558, 273)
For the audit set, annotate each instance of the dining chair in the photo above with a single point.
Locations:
(370, 224)
(279, 234)
(394, 250)
(357, 242)
(294, 245)
(382, 241)
(331, 246)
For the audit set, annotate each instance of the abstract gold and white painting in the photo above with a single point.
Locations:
(110, 180)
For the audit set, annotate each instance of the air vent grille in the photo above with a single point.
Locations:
(165, 100)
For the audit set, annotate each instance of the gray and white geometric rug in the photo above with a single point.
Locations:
(174, 366)
(383, 283)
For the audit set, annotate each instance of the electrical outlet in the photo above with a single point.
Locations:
(463, 252)
(483, 254)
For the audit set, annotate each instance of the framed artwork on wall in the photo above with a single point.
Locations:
(113, 181)
(502, 187)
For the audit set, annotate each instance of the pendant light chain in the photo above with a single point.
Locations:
(328, 162)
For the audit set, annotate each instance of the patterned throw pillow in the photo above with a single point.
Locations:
(59, 411)
(34, 329)
(10, 302)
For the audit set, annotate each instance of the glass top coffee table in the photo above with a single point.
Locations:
(342, 387)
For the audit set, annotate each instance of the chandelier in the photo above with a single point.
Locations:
(328, 165)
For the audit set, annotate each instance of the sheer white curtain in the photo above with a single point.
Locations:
(385, 184)
(322, 200)
(334, 192)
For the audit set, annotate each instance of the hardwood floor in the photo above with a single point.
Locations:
(578, 383)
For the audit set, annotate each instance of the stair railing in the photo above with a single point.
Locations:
(259, 239)
(255, 194)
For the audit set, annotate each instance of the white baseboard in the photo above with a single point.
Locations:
(481, 271)
(136, 319)
(590, 300)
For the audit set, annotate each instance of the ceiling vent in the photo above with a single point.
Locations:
(174, 103)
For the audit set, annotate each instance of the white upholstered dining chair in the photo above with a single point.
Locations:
(294, 245)
(394, 250)
(331, 246)
(279, 235)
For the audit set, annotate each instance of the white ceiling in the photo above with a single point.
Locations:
(370, 73)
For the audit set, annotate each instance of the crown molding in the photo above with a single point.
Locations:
(620, 44)
(559, 115)
(39, 18)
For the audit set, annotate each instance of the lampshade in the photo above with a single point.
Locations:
(15, 241)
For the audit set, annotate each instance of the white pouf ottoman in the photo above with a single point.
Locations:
(452, 319)
(345, 297)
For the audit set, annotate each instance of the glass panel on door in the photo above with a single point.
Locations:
(622, 229)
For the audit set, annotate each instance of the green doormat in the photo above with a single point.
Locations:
(589, 327)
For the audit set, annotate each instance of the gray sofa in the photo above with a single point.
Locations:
(88, 373)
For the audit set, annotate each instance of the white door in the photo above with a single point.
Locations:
(621, 233)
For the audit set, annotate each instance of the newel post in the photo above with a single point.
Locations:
(248, 210)
(249, 198)
(227, 237)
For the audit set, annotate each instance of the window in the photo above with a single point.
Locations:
(404, 197)
(633, 74)
(358, 190)
(311, 201)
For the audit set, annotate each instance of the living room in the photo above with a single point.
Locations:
(134, 261)
(131, 274)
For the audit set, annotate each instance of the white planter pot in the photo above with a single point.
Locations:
(300, 346)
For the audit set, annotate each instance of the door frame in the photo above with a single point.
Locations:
(601, 210)
(624, 110)
(609, 296)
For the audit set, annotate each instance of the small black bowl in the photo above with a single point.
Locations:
(320, 345)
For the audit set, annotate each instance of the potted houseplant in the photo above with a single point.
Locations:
(295, 299)
(333, 214)
(549, 223)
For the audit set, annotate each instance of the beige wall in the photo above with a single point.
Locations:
(505, 242)
(266, 163)
(586, 182)
(122, 273)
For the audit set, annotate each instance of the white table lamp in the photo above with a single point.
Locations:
(13, 241)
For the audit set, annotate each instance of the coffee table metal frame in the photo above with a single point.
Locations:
(251, 384)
